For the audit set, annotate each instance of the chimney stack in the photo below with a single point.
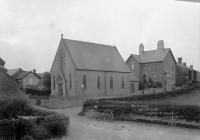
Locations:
(160, 45)
(141, 49)
(191, 66)
(180, 60)
(34, 70)
(184, 64)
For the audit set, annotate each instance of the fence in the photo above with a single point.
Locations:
(7, 130)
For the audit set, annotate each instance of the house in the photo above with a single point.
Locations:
(31, 80)
(155, 65)
(27, 79)
(84, 69)
(8, 85)
(185, 73)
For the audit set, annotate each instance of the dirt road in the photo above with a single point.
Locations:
(84, 128)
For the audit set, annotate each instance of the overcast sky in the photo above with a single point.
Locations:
(30, 29)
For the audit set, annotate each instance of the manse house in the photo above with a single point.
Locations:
(156, 65)
(84, 69)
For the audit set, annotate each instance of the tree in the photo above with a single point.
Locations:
(47, 80)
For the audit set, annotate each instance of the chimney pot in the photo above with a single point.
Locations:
(160, 44)
(180, 60)
(61, 35)
(141, 49)
(191, 66)
(34, 70)
(184, 64)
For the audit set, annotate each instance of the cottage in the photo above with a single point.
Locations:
(155, 65)
(27, 79)
(83, 69)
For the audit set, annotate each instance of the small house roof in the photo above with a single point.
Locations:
(19, 74)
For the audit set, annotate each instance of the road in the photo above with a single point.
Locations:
(87, 128)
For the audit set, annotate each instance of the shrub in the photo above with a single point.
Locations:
(57, 125)
(38, 112)
(14, 108)
(38, 102)
(22, 128)
(39, 132)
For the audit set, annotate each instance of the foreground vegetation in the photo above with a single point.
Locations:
(31, 123)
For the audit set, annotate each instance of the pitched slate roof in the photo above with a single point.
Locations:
(91, 56)
(19, 74)
(152, 56)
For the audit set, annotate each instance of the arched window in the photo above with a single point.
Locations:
(84, 82)
(98, 82)
(122, 84)
(111, 82)
(70, 81)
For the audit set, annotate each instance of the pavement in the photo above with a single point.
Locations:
(88, 128)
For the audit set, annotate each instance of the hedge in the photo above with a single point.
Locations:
(152, 96)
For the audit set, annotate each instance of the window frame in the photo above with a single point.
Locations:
(111, 82)
(98, 82)
(122, 83)
(70, 81)
(84, 82)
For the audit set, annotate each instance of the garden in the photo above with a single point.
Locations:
(19, 121)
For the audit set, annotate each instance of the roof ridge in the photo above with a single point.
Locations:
(100, 44)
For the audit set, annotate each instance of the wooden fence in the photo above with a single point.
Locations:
(7, 130)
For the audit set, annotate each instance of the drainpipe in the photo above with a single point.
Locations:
(105, 84)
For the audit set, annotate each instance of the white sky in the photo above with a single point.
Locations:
(30, 29)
